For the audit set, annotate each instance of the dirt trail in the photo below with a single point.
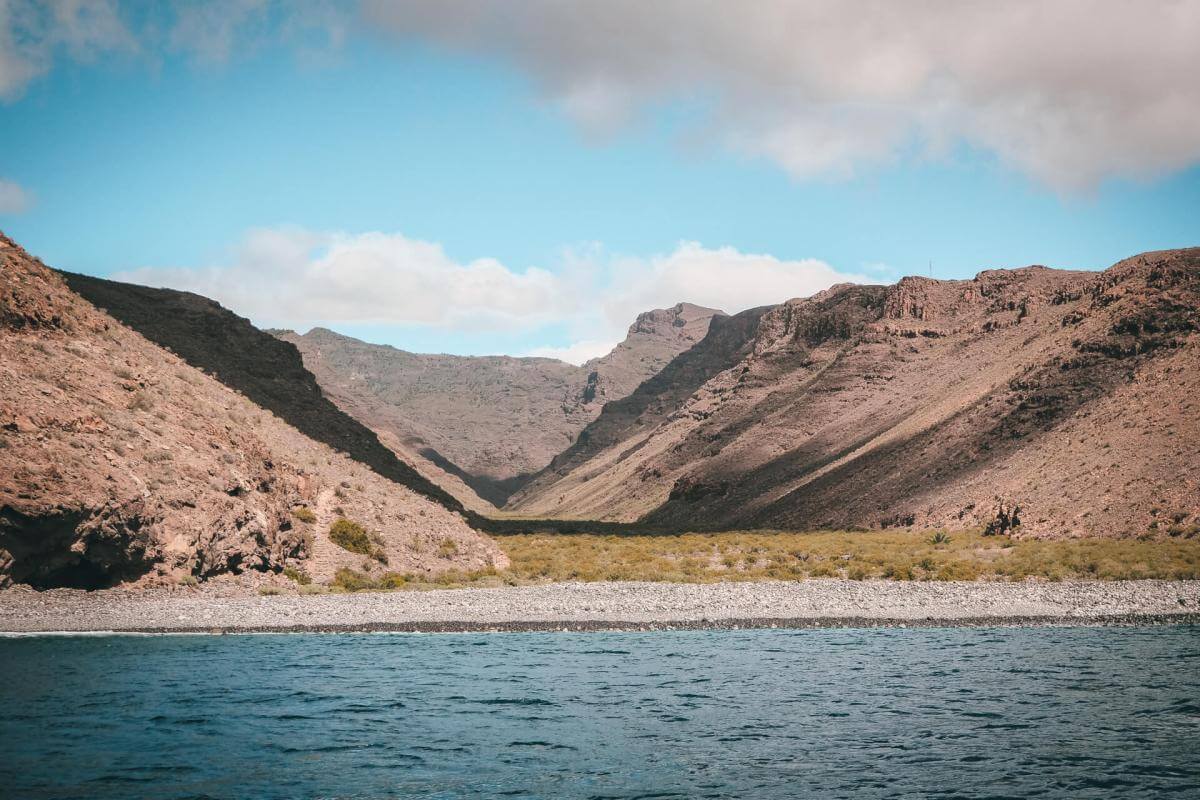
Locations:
(326, 556)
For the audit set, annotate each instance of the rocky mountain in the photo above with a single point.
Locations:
(480, 425)
(123, 461)
(1066, 401)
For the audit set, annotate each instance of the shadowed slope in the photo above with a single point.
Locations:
(268, 371)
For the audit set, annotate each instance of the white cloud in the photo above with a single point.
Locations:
(722, 278)
(1070, 92)
(577, 353)
(13, 199)
(33, 33)
(291, 276)
(295, 278)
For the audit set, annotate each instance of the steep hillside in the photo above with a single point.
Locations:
(119, 461)
(488, 422)
(268, 371)
(1071, 395)
(628, 419)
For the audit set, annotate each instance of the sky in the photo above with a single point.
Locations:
(486, 177)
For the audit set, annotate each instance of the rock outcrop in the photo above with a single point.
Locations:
(120, 461)
(1072, 395)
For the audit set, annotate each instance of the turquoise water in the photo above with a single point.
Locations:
(1051, 712)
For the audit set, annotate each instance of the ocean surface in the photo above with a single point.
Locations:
(1032, 712)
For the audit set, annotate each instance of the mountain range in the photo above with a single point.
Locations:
(483, 425)
(151, 435)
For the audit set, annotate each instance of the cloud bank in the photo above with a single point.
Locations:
(1069, 92)
(296, 278)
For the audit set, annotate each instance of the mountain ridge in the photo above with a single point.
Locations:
(877, 406)
(488, 422)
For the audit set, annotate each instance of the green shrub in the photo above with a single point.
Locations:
(298, 575)
(351, 536)
(940, 537)
(304, 514)
(349, 580)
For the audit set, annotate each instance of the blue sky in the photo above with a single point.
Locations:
(152, 167)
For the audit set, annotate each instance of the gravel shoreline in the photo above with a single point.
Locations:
(609, 606)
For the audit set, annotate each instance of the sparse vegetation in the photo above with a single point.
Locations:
(304, 514)
(447, 549)
(351, 536)
(349, 580)
(298, 575)
(895, 555)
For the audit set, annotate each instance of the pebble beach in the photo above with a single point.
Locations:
(607, 606)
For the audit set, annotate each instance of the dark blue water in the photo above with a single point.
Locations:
(1063, 713)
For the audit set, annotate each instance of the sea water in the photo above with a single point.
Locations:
(952, 712)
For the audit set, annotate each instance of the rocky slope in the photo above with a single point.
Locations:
(478, 426)
(120, 461)
(1073, 396)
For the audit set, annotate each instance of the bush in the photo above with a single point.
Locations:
(447, 548)
(349, 580)
(304, 514)
(298, 575)
(269, 590)
(189, 580)
(351, 536)
(941, 537)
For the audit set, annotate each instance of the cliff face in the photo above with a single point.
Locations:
(1072, 395)
(480, 425)
(120, 461)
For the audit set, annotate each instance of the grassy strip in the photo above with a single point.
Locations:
(753, 556)
(898, 555)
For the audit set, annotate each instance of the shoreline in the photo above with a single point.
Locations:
(615, 606)
(606, 626)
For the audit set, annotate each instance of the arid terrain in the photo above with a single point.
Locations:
(1070, 399)
(152, 437)
(122, 462)
(480, 425)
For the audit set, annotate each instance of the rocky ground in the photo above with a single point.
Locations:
(220, 607)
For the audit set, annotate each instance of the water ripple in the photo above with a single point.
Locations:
(949, 713)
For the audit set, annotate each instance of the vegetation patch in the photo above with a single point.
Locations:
(351, 536)
(304, 514)
(298, 575)
(349, 580)
(893, 555)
